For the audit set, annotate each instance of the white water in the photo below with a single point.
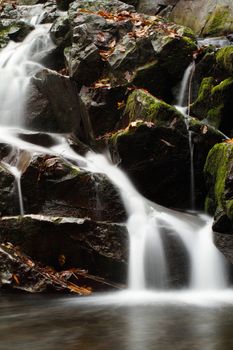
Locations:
(18, 63)
(147, 260)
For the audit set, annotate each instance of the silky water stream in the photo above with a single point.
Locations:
(148, 315)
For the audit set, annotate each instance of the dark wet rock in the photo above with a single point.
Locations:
(101, 248)
(38, 138)
(63, 5)
(53, 103)
(8, 192)
(157, 161)
(77, 145)
(102, 109)
(60, 31)
(64, 190)
(224, 242)
(85, 64)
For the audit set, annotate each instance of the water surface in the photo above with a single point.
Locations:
(162, 322)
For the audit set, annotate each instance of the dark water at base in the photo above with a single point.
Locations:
(54, 323)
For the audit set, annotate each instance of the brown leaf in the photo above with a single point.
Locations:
(101, 37)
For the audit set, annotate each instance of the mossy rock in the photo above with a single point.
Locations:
(214, 103)
(144, 106)
(224, 58)
(219, 181)
(219, 22)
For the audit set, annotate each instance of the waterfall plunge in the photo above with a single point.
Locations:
(142, 227)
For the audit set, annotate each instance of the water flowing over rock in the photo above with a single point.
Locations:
(97, 75)
(64, 190)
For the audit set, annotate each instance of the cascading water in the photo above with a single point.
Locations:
(18, 63)
(147, 260)
(142, 228)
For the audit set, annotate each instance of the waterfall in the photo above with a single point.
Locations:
(147, 256)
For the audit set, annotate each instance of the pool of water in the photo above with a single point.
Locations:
(156, 321)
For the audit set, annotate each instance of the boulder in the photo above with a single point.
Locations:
(153, 148)
(110, 42)
(205, 17)
(53, 103)
(65, 190)
(102, 248)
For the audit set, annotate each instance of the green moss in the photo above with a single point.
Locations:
(212, 100)
(205, 88)
(144, 106)
(224, 58)
(219, 22)
(216, 171)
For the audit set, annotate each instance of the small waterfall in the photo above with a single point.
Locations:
(18, 63)
(183, 98)
(183, 106)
